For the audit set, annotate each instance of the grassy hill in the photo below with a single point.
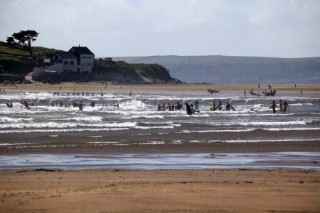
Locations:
(15, 63)
(234, 69)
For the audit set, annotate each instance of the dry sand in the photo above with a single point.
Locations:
(160, 191)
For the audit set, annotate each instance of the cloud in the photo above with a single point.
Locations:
(279, 28)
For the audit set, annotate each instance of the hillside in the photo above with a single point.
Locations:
(237, 70)
(15, 64)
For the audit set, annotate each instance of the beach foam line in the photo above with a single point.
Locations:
(57, 125)
(249, 130)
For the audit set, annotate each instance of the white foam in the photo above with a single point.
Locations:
(103, 142)
(293, 129)
(154, 127)
(216, 130)
(55, 125)
(258, 123)
(80, 119)
(152, 143)
(6, 120)
(60, 130)
(271, 140)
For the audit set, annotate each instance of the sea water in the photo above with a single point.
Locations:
(117, 112)
(137, 115)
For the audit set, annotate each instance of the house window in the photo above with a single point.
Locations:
(65, 62)
(72, 62)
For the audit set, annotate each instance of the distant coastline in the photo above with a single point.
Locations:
(236, 69)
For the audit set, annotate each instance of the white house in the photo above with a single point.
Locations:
(84, 59)
(76, 60)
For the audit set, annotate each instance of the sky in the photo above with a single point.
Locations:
(110, 28)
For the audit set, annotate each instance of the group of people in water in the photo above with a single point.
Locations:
(75, 104)
(170, 107)
(193, 107)
(190, 108)
(214, 107)
(282, 108)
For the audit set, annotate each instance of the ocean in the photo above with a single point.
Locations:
(51, 120)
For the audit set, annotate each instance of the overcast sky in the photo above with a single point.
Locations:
(272, 28)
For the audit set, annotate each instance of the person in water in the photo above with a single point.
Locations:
(285, 105)
(213, 105)
(228, 106)
(273, 106)
(220, 105)
(188, 109)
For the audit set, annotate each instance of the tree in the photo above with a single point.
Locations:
(24, 39)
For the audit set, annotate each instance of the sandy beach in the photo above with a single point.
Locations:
(160, 191)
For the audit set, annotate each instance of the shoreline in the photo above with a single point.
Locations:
(149, 148)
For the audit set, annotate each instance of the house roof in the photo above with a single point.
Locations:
(64, 54)
(80, 51)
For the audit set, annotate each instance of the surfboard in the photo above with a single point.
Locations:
(282, 109)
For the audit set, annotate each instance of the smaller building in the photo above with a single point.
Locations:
(63, 62)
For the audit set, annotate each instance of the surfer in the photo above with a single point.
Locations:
(81, 105)
(220, 105)
(228, 106)
(273, 106)
(179, 106)
(285, 106)
(196, 106)
(26, 105)
(213, 106)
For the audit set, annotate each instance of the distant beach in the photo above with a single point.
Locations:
(307, 89)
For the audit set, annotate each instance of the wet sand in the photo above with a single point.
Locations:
(130, 141)
(236, 190)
